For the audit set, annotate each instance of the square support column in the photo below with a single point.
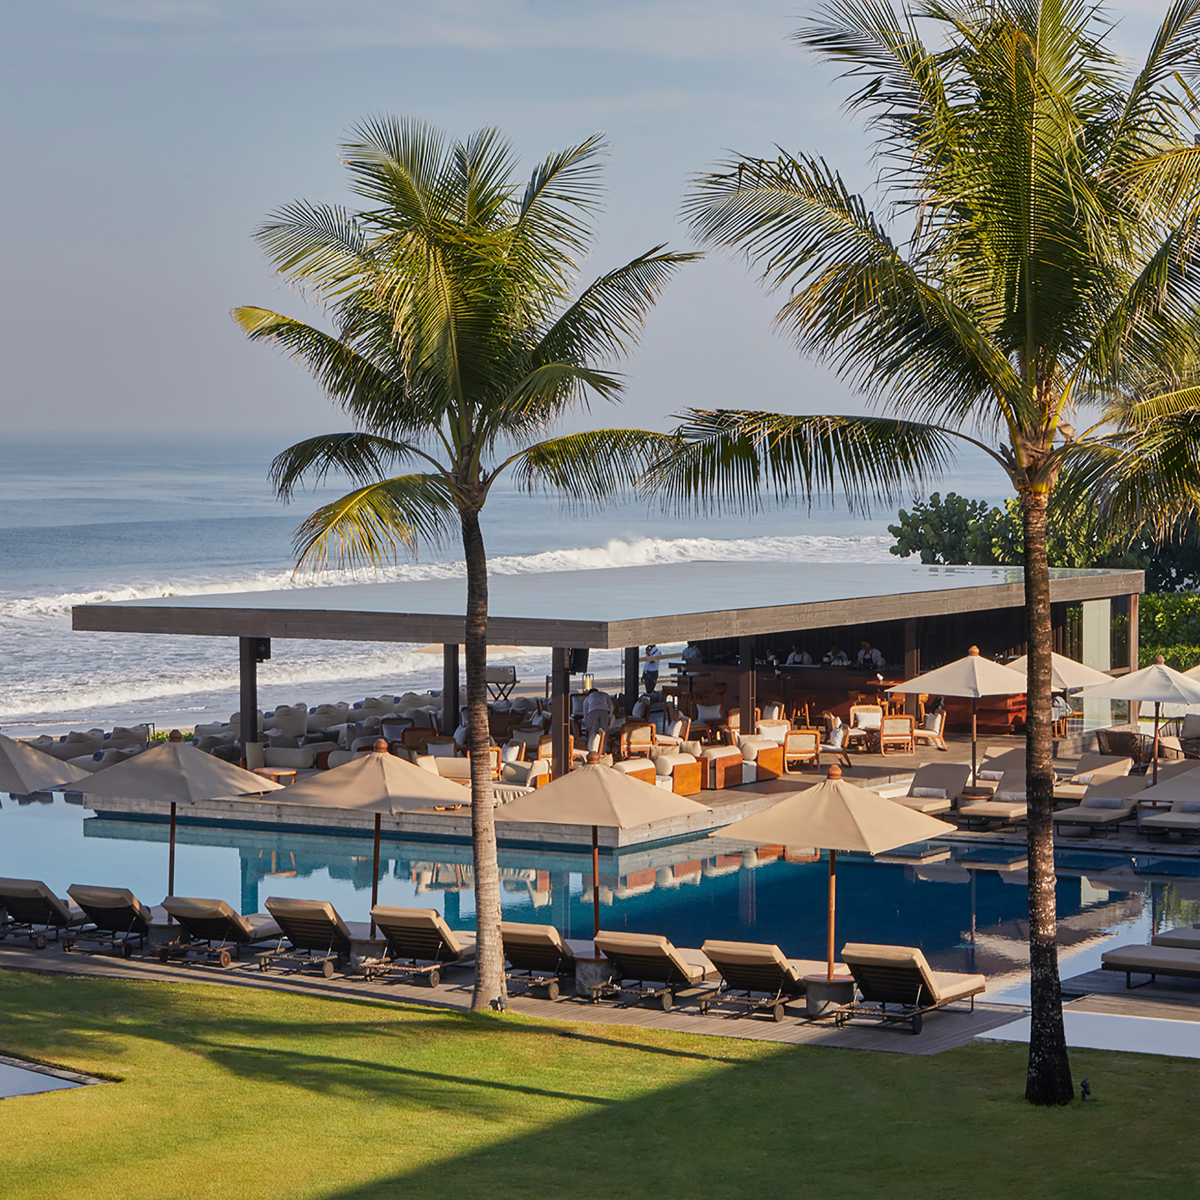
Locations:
(248, 654)
(560, 711)
(629, 699)
(747, 685)
(912, 664)
(450, 701)
(1097, 652)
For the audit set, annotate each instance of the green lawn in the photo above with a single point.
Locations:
(227, 1092)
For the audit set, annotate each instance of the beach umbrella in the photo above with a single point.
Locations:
(836, 815)
(175, 770)
(1185, 786)
(597, 795)
(1156, 684)
(972, 677)
(378, 783)
(24, 770)
(1066, 673)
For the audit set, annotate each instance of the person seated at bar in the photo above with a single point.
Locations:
(691, 653)
(837, 657)
(869, 658)
(799, 657)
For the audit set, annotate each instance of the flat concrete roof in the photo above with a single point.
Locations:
(609, 608)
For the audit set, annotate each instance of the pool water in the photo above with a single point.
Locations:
(963, 904)
(20, 1081)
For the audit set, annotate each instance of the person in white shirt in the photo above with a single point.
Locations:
(869, 657)
(597, 714)
(691, 653)
(799, 658)
(837, 657)
(650, 673)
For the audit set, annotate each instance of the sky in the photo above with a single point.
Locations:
(144, 141)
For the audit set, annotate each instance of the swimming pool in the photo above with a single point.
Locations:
(963, 904)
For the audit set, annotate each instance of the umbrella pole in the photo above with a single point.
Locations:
(1157, 709)
(375, 875)
(832, 909)
(171, 864)
(595, 883)
(974, 739)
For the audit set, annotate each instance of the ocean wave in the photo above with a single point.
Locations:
(615, 553)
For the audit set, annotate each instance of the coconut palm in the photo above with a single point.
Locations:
(1035, 260)
(457, 344)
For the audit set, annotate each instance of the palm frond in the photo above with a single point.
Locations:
(592, 467)
(723, 458)
(369, 526)
(360, 457)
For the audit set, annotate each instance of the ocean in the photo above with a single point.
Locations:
(131, 514)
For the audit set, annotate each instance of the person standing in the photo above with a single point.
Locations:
(799, 658)
(597, 717)
(869, 657)
(650, 673)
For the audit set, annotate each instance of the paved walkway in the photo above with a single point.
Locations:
(942, 1030)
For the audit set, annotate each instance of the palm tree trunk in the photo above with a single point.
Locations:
(489, 955)
(1049, 1076)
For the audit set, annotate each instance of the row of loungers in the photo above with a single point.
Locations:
(895, 983)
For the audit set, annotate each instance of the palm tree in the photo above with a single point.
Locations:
(1036, 258)
(457, 344)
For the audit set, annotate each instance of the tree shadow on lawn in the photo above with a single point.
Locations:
(825, 1122)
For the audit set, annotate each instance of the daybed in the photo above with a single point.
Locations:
(216, 928)
(758, 976)
(419, 944)
(35, 912)
(1152, 961)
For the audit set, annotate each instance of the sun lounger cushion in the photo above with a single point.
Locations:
(30, 901)
(1185, 938)
(943, 987)
(217, 919)
(651, 957)
(422, 933)
(535, 947)
(309, 924)
(1153, 960)
(994, 810)
(757, 966)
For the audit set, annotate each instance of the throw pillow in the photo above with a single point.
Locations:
(1103, 802)
(922, 793)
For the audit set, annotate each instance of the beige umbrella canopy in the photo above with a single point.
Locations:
(1157, 684)
(24, 770)
(1066, 673)
(378, 783)
(836, 815)
(597, 795)
(973, 676)
(178, 772)
(1185, 786)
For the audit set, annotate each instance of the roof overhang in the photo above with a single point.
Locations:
(607, 608)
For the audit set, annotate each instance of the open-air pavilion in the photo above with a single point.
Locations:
(737, 611)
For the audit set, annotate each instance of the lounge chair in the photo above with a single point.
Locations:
(934, 787)
(758, 976)
(1091, 769)
(642, 959)
(1182, 817)
(1152, 961)
(1184, 938)
(537, 956)
(216, 928)
(316, 936)
(900, 976)
(35, 912)
(419, 943)
(116, 918)
(1105, 805)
